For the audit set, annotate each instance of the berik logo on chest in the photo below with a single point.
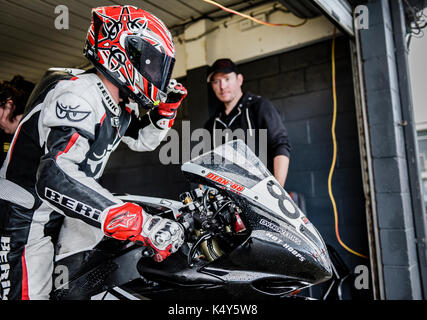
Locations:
(72, 204)
(111, 105)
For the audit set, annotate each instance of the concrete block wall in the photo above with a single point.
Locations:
(396, 228)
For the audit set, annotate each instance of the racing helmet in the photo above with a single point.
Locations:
(133, 49)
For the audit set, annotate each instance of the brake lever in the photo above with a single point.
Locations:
(148, 252)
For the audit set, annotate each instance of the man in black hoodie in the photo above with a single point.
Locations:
(254, 114)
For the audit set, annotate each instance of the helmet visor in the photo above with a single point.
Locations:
(152, 64)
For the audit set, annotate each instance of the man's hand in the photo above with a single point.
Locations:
(164, 115)
(130, 222)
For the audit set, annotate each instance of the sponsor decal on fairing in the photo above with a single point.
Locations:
(225, 182)
(286, 246)
(288, 235)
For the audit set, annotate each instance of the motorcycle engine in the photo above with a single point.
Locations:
(214, 223)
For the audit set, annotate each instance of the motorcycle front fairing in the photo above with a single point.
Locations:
(283, 244)
(279, 252)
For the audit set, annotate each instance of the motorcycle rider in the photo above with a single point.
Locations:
(62, 145)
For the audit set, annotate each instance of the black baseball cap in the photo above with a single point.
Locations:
(222, 65)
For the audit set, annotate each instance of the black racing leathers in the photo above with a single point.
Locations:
(57, 155)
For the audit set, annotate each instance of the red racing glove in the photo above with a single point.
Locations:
(129, 222)
(164, 115)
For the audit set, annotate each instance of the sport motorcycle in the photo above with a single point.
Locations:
(245, 238)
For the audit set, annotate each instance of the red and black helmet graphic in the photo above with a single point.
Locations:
(133, 49)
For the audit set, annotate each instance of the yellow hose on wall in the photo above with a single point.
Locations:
(334, 158)
(254, 19)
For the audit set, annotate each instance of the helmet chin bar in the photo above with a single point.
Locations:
(126, 95)
(146, 103)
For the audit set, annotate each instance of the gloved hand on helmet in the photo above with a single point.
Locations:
(164, 115)
(129, 222)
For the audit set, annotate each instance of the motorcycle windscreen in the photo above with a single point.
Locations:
(235, 166)
(236, 161)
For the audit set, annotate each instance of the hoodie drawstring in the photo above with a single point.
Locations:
(249, 122)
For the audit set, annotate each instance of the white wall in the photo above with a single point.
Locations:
(418, 76)
(244, 45)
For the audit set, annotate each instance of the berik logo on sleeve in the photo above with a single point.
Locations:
(73, 114)
(72, 204)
